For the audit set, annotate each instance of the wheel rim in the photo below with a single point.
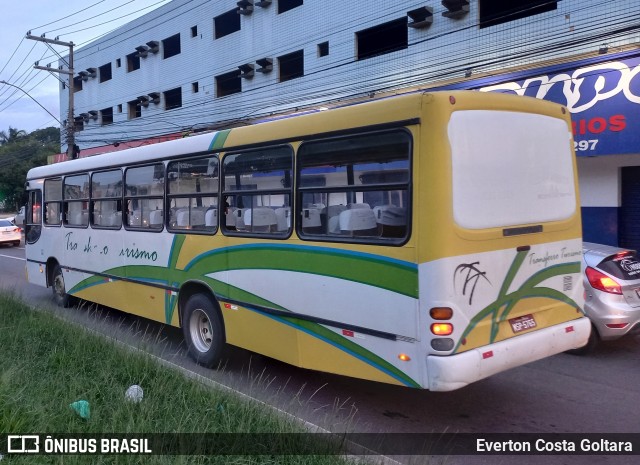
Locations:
(58, 285)
(200, 330)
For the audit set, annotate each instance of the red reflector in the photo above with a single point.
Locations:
(227, 305)
(487, 354)
(616, 325)
(346, 332)
(568, 329)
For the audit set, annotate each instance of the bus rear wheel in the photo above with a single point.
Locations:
(60, 296)
(203, 330)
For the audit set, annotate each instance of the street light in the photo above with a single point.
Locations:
(28, 95)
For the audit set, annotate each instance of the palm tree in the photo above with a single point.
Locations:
(14, 135)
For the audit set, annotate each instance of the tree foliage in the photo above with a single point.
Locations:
(19, 152)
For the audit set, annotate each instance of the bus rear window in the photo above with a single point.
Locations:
(510, 168)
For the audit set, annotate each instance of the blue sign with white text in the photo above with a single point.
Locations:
(603, 98)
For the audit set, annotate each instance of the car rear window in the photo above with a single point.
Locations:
(5, 223)
(623, 266)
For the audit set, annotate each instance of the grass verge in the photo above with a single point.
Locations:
(46, 364)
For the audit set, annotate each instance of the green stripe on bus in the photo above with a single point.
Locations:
(362, 268)
(219, 139)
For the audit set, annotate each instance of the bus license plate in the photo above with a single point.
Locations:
(522, 323)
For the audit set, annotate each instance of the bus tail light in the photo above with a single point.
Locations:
(441, 313)
(442, 329)
(602, 282)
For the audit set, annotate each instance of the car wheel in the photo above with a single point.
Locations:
(203, 330)
(592, 342)
(60, 296)
(16, 243)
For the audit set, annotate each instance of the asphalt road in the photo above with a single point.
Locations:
(599, 393)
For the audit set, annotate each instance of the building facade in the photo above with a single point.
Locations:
(197, 64)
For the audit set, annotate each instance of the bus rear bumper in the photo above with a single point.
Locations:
(455, 371)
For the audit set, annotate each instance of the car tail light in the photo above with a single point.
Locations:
(616, 325)
(602, 282)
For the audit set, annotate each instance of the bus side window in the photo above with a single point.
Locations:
(192, 195)
(257, 192)
(144, 197)
(106, 199)
(53, 202)
(355, 188)
(76, 200)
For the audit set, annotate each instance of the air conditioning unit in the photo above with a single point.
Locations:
(420, 17)
(456, 9)
(245, 7)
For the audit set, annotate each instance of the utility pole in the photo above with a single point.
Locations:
(71, 140)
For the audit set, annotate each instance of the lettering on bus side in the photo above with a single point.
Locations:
(89, 248)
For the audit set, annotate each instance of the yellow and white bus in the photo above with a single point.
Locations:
(427, 240)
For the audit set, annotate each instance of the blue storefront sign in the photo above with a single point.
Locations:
(602, 94)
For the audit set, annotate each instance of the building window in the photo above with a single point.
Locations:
(286, 5)
(227, 23)
(229, 83)
(383, 38)
(78, 124)
(323, 49)
(194, 31)
(291, 65)
(134, 109)
(118, 63)
(195, 88)
(77, 84)
(171, 46)
(119, 108)
(133, 62)
(105, 72)
(106, 115)
(494, 12)
(173, 98)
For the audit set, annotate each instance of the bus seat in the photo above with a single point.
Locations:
(311, 221)
(359, 222)
(390, 215)
(155, 218)
(110, 219)
(230, 218)
(135, 218)
(354, 206)
(283, 218)
(392, 220)
(211, 217)
(182, 218)
(197, 217)
(333, 213)
(260, 219)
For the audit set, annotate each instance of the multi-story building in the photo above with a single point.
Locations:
(197, 64)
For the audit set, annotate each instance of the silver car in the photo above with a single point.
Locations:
(612, 291)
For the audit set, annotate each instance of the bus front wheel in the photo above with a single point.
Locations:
(203, 330)
(60, 296)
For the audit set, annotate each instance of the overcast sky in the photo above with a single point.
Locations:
(77, 21)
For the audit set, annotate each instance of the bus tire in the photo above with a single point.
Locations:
(60, 296)
(203, 330)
